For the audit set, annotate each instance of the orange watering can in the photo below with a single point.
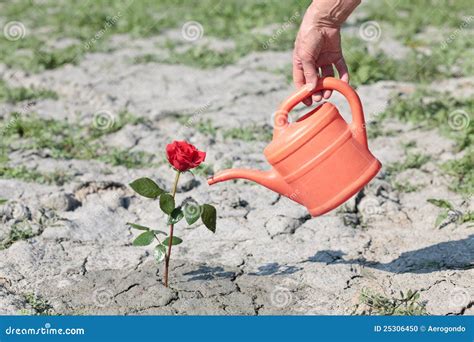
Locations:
(319, 161)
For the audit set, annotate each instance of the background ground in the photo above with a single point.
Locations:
(92, 91)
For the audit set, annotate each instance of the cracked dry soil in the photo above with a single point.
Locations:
(267, 256)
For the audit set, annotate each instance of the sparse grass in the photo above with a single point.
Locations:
(31, 175)
(204, 170)
(408, 304)
(141, 18)
(453, 118)
(411, 17)
(462, 172)
(246, 133)
(250, 133)
(124, 118)
(200, 56)
(436, 110)
(206, 127)
(405, 187)
(63, 140)
(203, 126)
(38, 305)
(364, 67)
(449, 214)
(16, 233)
(412, 161)
(375, 129)
(148, 17)
(18, 94)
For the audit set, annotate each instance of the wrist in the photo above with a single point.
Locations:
(331, 13)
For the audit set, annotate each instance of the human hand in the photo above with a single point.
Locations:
(317, 50)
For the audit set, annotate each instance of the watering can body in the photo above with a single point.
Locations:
(319, 161)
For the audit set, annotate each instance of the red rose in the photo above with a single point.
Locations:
(184, 156)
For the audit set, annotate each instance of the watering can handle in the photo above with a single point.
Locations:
(328, 83)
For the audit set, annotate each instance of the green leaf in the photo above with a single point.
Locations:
(2, 200)
(167, 203)
(146, 187)
(209, 217)
(160, 253)
(440, 203)
(175, 216)
(137, 226)
(192, 212)
(176, 241)
(467, 217)
(441, 217)
(159, 231)
(144, 239)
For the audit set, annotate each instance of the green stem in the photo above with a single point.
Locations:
(168, 255)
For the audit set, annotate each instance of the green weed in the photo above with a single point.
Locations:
(31, 175)
(249, 133)
(412, 161)
(405, 187)
(461, 171)
(101, 19)
(436, 110)
(449, 214)
(411, 17)
(63, 140)
(39, 306)
(408, 304)
(18, 94)
(16, 234)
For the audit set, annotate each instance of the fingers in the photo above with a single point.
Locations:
(327, 71)
(311, 76)
(298, 77)
(342, 70)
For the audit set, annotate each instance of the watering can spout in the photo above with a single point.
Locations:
(270, 179)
